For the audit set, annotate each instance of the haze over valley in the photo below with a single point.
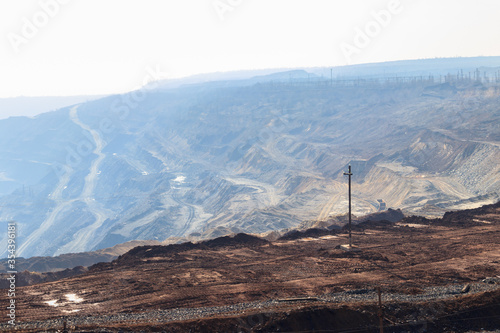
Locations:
(256, 154)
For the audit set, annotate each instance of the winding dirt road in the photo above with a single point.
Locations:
(84, 237)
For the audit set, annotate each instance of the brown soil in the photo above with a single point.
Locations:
(404, 257)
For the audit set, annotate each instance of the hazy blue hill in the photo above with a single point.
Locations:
(30, 146)
(32, 106)
(437, 66)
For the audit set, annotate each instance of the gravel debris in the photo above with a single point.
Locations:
(182, 314)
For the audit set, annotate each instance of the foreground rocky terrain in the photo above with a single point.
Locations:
(435, 274)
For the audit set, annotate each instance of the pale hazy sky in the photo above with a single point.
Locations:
(75, 47)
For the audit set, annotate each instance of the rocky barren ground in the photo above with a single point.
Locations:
(434, 275)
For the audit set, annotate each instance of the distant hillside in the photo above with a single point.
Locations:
(204, 160)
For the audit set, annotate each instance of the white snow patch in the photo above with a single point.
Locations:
(180, 179)
(481, 221)
(52, 303)
(73, 298)
(329, 237)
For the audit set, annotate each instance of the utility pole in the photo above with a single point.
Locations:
(380, 310)
(349, 174)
